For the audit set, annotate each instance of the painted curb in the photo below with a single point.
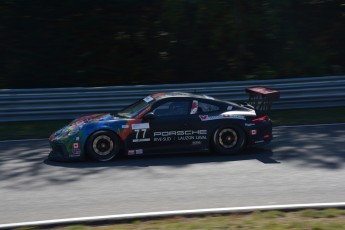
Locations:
(122, 217)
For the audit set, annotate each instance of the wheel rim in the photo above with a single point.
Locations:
(103, 145)
(227, 138)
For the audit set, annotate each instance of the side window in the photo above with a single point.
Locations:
(207, 107)
(172, 108)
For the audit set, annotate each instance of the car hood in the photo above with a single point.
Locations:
(92, 118)
(76, 124)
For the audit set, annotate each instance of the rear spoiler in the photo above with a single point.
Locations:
(261, 98)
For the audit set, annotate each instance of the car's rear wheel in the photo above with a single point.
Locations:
(103, 146)
(228, 140)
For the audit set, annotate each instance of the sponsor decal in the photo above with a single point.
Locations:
(140, 135)
(204, 117)
(77, 138)
(167, 139)
(241, 117)
(221, 116)
(185, 138)
(194, 108)
(253, 132)
(133, 152)
(75, 148)
(140, 131)
(249, 124)
(141, 126)
(139, 151)
(148, 99)
(125, 126)
(189, 138)
(180, 135)
(124, 133)
(196, 143)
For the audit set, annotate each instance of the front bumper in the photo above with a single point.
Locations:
(60, 153)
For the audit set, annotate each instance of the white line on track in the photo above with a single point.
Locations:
(171, 213)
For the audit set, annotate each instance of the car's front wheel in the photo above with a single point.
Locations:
(228, 140)
(103, 146)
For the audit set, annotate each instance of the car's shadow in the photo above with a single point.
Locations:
(263, 155)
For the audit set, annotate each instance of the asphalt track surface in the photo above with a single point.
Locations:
(304, 164)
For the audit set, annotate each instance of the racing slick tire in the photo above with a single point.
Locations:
(228, 140)
(103, 146)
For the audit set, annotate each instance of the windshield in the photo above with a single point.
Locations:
(134, 109)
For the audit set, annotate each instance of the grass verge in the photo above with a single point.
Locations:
(330, 219)
(29, 129)
(42, 129)
(308, 116)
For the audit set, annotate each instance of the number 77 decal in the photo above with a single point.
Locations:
(140, 135)
(140, 132)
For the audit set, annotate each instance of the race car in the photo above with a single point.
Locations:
(163, 123)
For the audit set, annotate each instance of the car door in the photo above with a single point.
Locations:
(169, 129)
(165, 130)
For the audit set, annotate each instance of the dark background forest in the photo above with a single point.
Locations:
(64, 43)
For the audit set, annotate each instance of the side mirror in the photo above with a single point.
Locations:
(149, 116)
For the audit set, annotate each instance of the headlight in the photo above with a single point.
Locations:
(74, 132)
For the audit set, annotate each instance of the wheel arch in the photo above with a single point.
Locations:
(233, 125)
(102, 129)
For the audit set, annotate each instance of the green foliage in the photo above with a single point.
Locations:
(30, 129)
(94, 43)
(284, 221)
(78, 227)
(302, 116)
(333, 212)
(269, 214)
(325, 213)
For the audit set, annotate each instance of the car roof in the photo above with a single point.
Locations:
(159, 96)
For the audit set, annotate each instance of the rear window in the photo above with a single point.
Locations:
(205, 107)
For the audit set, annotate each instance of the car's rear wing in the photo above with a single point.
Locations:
(261, 98)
